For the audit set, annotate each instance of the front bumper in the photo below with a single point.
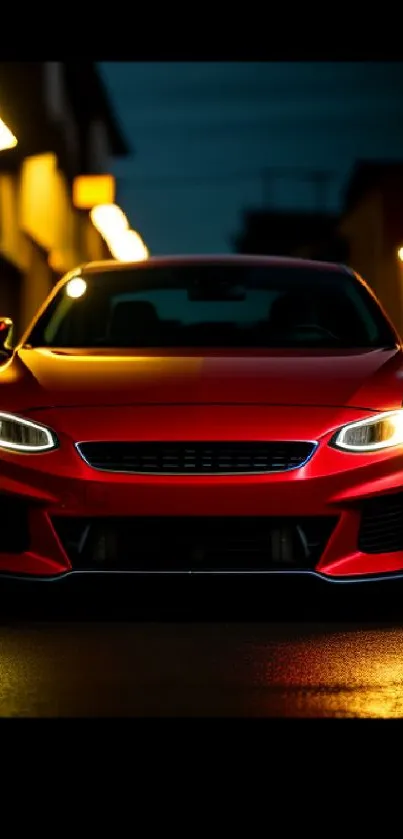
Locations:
(348, 507)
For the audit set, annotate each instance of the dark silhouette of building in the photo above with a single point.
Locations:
(283, 233)
(372, 225)
(367, 235)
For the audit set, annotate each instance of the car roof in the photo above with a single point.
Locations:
(225, 259)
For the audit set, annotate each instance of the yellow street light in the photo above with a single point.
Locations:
(400, 254)
(128, 247)
(90, 190)
(125, 245)
(109, 220)
(7, 139)
(76, 287)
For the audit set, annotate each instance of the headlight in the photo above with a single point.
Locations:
(382, 432)
(22, 435)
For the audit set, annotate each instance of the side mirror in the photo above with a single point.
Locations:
(6, 336)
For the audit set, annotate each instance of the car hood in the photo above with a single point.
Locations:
(370, 379)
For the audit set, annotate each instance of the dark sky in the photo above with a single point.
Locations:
(205, 132)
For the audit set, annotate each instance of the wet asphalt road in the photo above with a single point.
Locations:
(162, 669)
(67, 658)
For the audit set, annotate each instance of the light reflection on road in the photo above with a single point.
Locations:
(358, 673)
(204, 669)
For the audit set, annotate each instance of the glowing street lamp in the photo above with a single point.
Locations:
(76, 287)
(400, 254)
(109, 220)
(125, 245)
(128, 247)
(7, 138)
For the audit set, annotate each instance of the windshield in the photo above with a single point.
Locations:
(213, 305)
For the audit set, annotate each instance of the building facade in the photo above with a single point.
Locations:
(372, 226)
(63, 128)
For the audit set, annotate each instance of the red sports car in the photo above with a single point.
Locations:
(207, 415)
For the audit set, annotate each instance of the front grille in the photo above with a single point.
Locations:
(194, 543)
(197, 458)
(381, 526)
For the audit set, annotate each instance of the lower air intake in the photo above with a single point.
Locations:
(14, 524)
(194, 543)
(381, 528)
